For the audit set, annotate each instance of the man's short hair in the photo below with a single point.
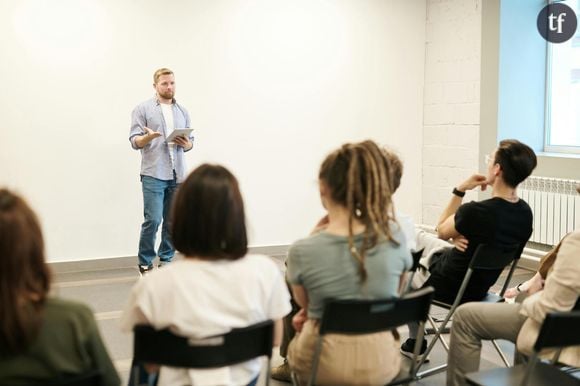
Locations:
(160, 72)
(517, 161)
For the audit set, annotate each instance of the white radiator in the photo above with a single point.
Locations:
(556, 207)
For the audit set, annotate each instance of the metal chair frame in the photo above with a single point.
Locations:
(502, 256)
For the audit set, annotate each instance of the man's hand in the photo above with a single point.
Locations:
(473, 182)
(184, 142)
(461, 243)
(144, 139)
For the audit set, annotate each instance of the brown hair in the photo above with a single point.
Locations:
(359, 178)
(24, 275)
(208, 215)
(161, 71)
(517, 161)
(396, 169)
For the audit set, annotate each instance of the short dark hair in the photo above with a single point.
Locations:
(24, 275)
(516, 159)
(208, 219)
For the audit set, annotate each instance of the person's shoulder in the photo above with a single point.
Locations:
(315, 239)
(146, 103)
(257, 258)
(261, 262)
(574, 236)
(523, 205)
(181, 106)
(68, 309)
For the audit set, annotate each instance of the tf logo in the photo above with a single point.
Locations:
(557, 23)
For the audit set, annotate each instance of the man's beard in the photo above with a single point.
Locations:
(167, 95)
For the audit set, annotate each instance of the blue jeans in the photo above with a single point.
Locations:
(157, 197)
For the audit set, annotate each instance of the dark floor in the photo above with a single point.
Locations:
(106, 291)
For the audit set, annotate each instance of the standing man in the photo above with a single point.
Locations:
(162, 164)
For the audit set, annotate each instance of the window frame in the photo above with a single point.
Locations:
(548, 105)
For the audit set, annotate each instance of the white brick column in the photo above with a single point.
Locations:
(451, 100)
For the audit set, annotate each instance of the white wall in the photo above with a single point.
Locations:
(452, 101)
(271, 86)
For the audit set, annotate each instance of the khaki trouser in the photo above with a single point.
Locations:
(371, 359)
(472, 323)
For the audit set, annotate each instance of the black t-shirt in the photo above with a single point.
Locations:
(494, 221)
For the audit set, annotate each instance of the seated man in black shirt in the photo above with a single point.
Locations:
(504, 219)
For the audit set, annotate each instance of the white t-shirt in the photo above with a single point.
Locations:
(167, 110)
(408, 227)
(200, 298)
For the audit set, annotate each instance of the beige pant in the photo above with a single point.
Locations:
(472, 323)
(371, 359)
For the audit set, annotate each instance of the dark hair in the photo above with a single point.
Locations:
(396, 169)
(359, 178)
(517, 161)
(24, 275)
(208, 215)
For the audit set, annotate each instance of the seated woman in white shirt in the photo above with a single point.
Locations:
(360, 254)
(218, 286)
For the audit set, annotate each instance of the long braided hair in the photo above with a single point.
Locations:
(358, 176)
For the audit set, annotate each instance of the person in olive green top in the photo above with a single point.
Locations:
(41, 339)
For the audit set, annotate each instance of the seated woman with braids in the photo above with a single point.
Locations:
(359, 255)
(42, 339)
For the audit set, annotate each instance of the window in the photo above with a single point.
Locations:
(562, 133)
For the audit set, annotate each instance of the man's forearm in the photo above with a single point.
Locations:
(450, 209)
(142, 140)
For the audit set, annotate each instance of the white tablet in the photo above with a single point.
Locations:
(177, 133)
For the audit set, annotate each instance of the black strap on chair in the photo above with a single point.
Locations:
(485, 257)
(239, 345)
(90, 378)
(371, 316)
(559, 330)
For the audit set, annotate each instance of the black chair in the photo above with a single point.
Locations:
(90, 378)
(356, 317)
(239, 345)
(559, 330)
(485, 257)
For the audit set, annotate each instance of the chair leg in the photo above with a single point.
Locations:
(268, 369)
(315, 361)
(501, 354)
(432, 344)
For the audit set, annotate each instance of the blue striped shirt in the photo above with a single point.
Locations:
(155, 158)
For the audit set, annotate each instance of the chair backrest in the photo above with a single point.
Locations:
(368, 316)
(91, 378)
(239, 345)
(559, 329)
(495, 257)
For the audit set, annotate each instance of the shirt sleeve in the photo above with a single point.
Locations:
(188, 124)
(466, 219)
(138, 122)
(135, 312)
(562, 286)
(280, 297)
(294, 270)
(98, 353)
